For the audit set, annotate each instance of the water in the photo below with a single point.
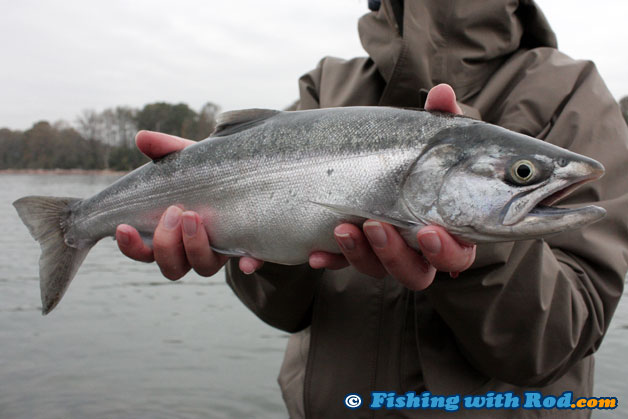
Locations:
(127, 343)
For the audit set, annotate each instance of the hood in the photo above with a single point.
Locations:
(418, 44)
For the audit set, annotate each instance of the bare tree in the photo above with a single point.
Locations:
(89, 124)
(207, 119)
(113, 126)
(92, 126)
(126, 125)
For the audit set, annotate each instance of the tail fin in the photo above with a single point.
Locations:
(47, 219)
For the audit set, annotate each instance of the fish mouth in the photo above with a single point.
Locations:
(536, 206)
(564, 191)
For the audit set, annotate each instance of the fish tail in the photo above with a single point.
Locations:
(47, 219)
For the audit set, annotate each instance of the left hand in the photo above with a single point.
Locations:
(379, 250)
(180, 241)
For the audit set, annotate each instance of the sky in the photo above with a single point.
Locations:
(60, 58)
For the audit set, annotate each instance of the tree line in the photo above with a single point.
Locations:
(101, 140)
(105, 140)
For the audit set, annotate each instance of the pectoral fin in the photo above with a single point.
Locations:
(356, 212)
(230, 252)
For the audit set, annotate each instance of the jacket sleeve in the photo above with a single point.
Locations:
(336, 82)
(280, 295)
(528, 311)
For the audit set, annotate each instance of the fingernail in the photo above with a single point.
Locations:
(430, 242)
(189, 224)
(171, 220)
(376, 234)
(316, 262)
(345, 240)
(247, 269)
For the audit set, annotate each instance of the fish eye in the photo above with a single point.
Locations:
(522, 171)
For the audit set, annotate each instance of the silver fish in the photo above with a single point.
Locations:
(273, 185)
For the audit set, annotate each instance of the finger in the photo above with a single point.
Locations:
(443, 251)
(131, 244)
(402, 262)
(249, 265)
(157, 144)
(357, 250)
(442, 98)
(319, 260)
(199, 255)
(168, 245)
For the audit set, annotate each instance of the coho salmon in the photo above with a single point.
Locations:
(273, 185)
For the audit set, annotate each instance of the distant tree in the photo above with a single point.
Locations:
(126, 125)
(74, 151)
(125, 158)
(101, 140)
(92, 126)
(45, 146)
(207, 120)
(39, 151)
(623, 104)
(167, 118)
(89, 124)
(118, 126)
(113, 127)
(203, 123)
(11, 149)
(61, 125)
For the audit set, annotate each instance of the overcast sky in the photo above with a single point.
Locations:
(60, 57)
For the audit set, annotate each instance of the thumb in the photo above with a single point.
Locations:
(156, 144)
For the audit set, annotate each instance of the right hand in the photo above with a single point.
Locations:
(180, 242)
(377, 249)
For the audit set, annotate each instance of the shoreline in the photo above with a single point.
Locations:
(61, 172)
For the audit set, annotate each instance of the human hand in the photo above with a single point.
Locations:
(180, 241)
(378, 249)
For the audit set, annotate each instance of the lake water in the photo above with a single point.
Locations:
(127, 343)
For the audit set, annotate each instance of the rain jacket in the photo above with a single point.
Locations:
(527, 315)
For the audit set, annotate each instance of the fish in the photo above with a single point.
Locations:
(273, 185)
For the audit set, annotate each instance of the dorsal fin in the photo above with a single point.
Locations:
(231, 122)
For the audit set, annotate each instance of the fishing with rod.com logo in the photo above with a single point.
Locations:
(492, 400)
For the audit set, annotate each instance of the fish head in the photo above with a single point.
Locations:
(484, 183)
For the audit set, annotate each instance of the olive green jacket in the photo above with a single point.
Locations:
(526, 315)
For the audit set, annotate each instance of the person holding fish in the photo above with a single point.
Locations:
(454, 318)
